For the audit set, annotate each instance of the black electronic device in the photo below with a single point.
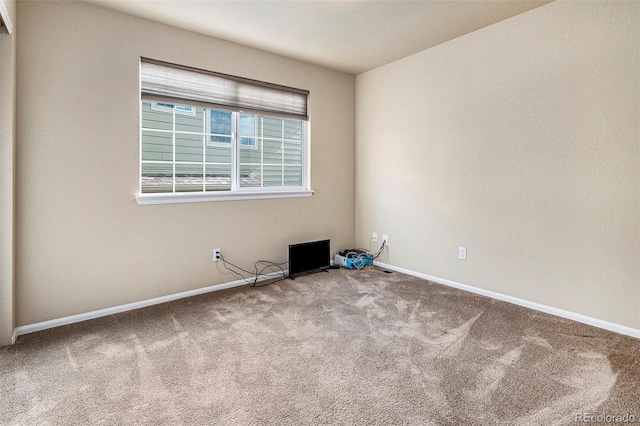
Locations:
(309, 257)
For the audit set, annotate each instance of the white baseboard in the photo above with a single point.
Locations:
(617, 328)
(31, 328)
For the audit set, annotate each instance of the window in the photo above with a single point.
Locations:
(252, 145)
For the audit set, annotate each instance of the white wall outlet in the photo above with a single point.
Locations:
(216, 255)
(374, 237)
(385, 238)
(462, 253)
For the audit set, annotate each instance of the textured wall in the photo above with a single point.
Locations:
(521, 142)
(83, 242)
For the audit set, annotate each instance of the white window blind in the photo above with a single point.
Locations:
(164, 81)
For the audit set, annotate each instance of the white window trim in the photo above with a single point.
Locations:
(197, 197)
(164, 82)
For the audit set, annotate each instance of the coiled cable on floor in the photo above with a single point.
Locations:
(365, 260)
(257, 272)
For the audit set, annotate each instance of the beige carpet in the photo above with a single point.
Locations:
(343, 347)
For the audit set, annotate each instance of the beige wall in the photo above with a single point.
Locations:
(521, 142)
(7, 170)
(82, 241)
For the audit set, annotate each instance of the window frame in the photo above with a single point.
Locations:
(209, 133)
(236, 192)
(235, 127)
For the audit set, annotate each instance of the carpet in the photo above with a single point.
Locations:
(339, 347)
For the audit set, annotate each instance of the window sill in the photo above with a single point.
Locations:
(173, 198)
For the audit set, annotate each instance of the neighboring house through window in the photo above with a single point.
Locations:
(209, 144)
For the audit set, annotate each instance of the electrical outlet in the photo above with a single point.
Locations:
(216, 255)
(462, 253)
(385, 238)
(374, 237)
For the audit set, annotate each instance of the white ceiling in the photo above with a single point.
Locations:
(350, 36)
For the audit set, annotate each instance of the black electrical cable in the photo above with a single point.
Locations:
(224, 263)
(380, 250)
(257, 273)
(269, 265)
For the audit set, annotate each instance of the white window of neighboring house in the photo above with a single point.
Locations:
(209, 137)
(180, 109)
